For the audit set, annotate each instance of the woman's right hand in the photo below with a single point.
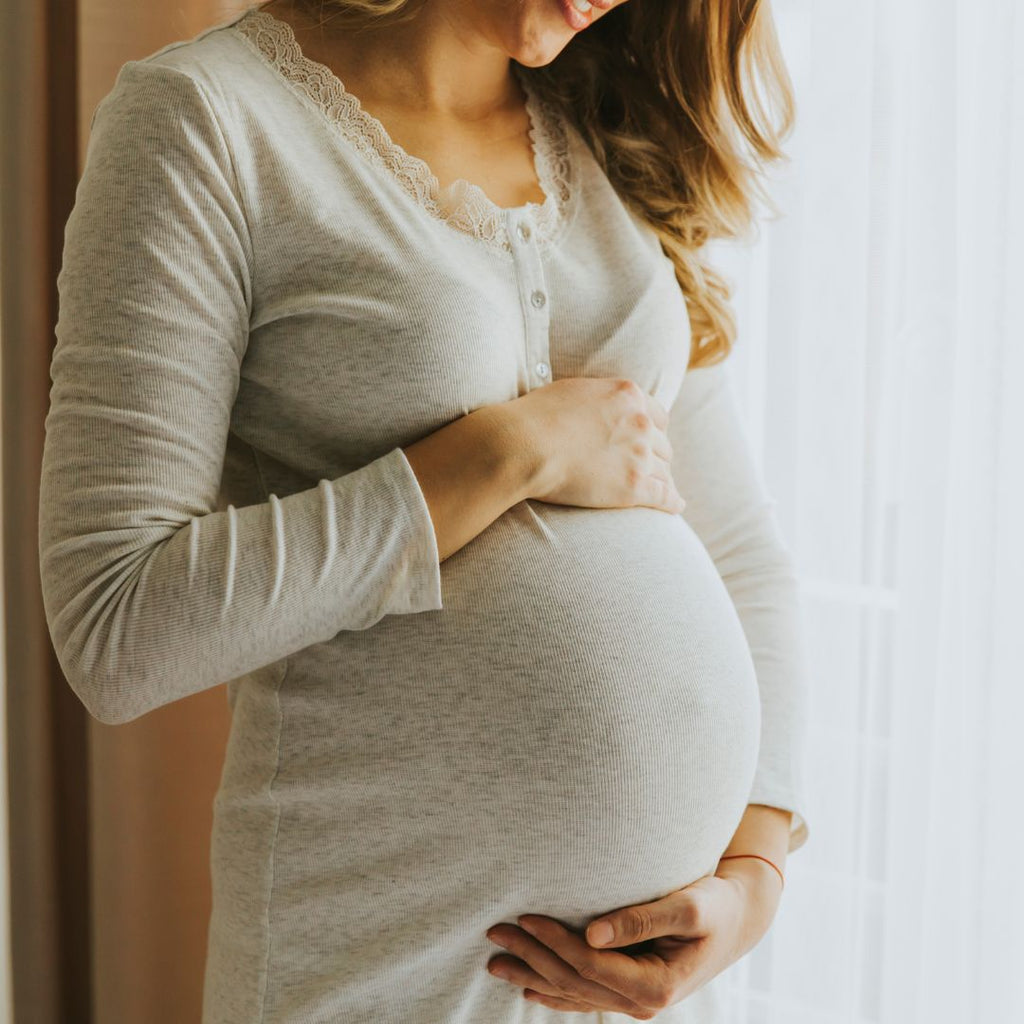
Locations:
(602, 444)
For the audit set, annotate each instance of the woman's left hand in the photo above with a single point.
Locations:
(683, 940)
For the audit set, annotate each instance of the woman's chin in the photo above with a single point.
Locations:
(539, 36)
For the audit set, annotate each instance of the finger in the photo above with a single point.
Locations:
(662, 493)
(544, 970)
(661, 446)
(516, 972)
(641, 979)
(557, 976)
(657, 412)
(555, 1003)
(682, 914)
(662, 472)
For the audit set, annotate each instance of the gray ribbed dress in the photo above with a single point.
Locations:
(262, 299)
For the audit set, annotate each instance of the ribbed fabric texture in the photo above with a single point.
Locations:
(570, 714)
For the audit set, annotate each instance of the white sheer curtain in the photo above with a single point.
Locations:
(881, 359)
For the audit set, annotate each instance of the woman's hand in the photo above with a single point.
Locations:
(670, 947)
(602, 443)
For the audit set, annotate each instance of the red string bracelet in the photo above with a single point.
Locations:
(759, 857)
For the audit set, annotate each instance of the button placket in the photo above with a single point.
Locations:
(534, 296)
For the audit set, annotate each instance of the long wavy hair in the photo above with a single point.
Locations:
(684, 103)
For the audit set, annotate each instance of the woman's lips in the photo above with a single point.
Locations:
(573, 18)
(577, 19)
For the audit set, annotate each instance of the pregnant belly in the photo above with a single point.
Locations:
(575, 730)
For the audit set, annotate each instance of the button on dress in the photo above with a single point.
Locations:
(262, 300)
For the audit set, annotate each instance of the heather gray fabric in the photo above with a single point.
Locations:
(260, 304)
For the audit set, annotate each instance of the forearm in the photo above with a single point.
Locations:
(473, 470)
(762, 830)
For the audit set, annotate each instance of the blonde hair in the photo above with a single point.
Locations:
(674, 98)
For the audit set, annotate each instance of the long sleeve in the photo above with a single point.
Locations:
(732, 513)
(152, 591)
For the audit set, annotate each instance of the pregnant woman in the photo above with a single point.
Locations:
(390, 390)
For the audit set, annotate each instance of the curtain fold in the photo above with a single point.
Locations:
(881, 326)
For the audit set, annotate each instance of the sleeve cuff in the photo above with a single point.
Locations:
(422, 563)
(786, 799)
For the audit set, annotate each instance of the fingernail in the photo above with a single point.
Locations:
(601, 933)
(527, 926)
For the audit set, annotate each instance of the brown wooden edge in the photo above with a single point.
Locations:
(47, 735)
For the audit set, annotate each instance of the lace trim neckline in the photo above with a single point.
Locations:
(463, 205)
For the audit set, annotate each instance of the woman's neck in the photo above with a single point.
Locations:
(439, 65)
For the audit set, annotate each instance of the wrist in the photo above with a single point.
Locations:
(759, 889)
(750, 871)
(517, 448)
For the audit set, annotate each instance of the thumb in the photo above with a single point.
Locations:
(674, 915)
